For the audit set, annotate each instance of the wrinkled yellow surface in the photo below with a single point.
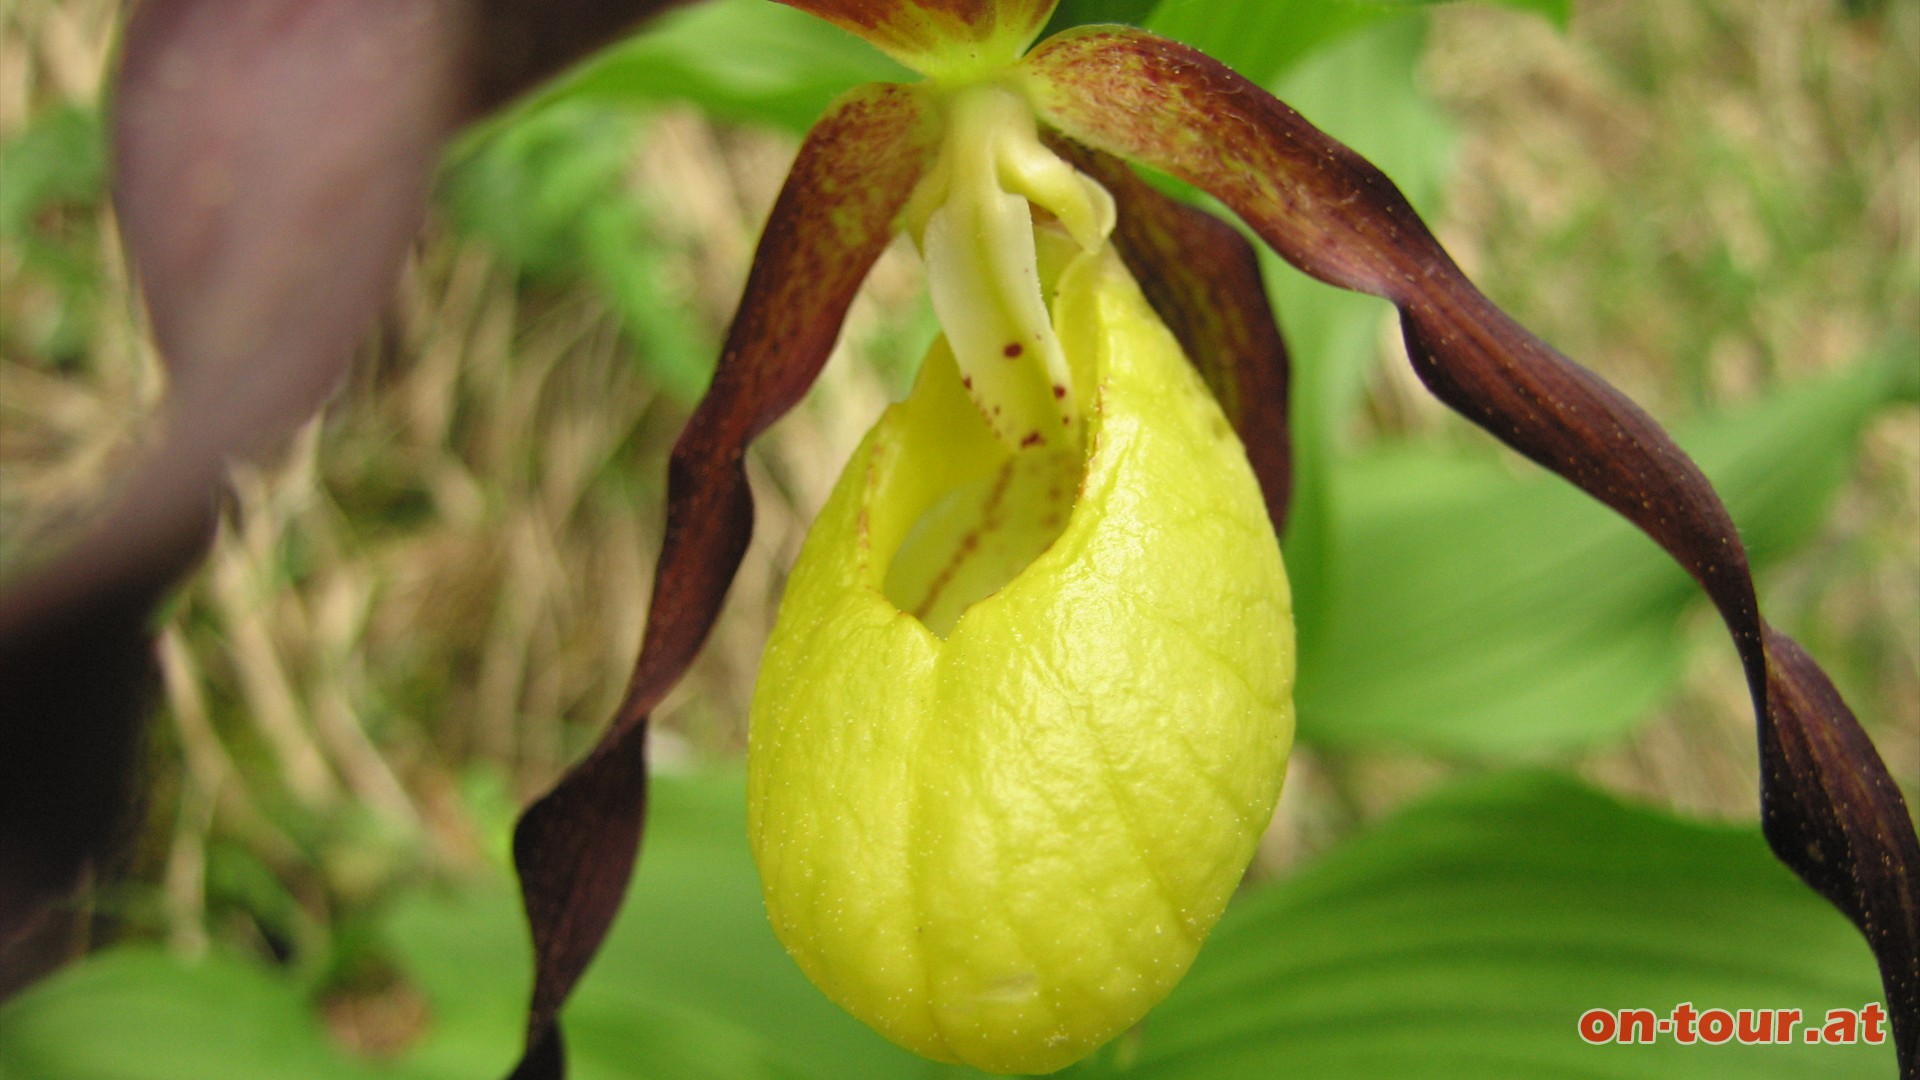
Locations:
(1003, 845)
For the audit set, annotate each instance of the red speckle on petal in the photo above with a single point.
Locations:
(1059, 391)
(1033, 439)
(966, 381)
(1013, 350)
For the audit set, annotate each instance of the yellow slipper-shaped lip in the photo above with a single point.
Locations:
(1023, 717)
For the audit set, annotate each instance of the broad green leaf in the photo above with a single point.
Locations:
(1082, 12)
(691, 986)
(743, 59)
(1480, 613)
(135, 1014)
(692, 951)
(1464, 938)
(1261, 39)
(1555, 11)
(639, 1037)
(1265, 39)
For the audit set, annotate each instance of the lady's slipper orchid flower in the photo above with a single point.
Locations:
(239, 124)
(1027, 706)
(951, 803)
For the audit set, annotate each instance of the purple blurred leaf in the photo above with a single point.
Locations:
(272, 160)
(575, 848)
(1833, 813)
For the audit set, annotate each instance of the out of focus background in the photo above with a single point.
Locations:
(423, 609)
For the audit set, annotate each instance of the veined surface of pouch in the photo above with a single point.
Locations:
(1024, 715)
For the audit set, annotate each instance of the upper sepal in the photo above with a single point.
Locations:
(939, 37)
(1157, 102)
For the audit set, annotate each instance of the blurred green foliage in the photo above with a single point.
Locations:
(1546, 623)
(550, 194)
(1460, 939)
(51, 176)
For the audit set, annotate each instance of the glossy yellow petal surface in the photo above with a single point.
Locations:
(1004, 842)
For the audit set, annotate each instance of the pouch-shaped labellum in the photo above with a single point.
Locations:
(1024, 714)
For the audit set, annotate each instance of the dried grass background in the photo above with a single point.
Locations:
(427, 605)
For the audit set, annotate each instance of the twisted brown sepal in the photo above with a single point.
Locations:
(575, 848)
(918, 33)
(272, 160)
(1841, 824)
(1831, 811)
(1203, 278)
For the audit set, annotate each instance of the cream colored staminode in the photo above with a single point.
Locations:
(973, 219)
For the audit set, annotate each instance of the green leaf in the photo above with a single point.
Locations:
(1083, 12)
(135, 1014)
(1465, 937)
(691, 952)
(1461, 939)
(1265, 39)
(1261, 39)
(691, 984)
(1479, 613)
(1556, 12)
(742, 59)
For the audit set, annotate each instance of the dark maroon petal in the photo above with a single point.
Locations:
(1849, 824)
(271, 165)
(272, 161)
(906, 29)
(1203, 278)
(76, 678)
(575, 848)
(1833, 814)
